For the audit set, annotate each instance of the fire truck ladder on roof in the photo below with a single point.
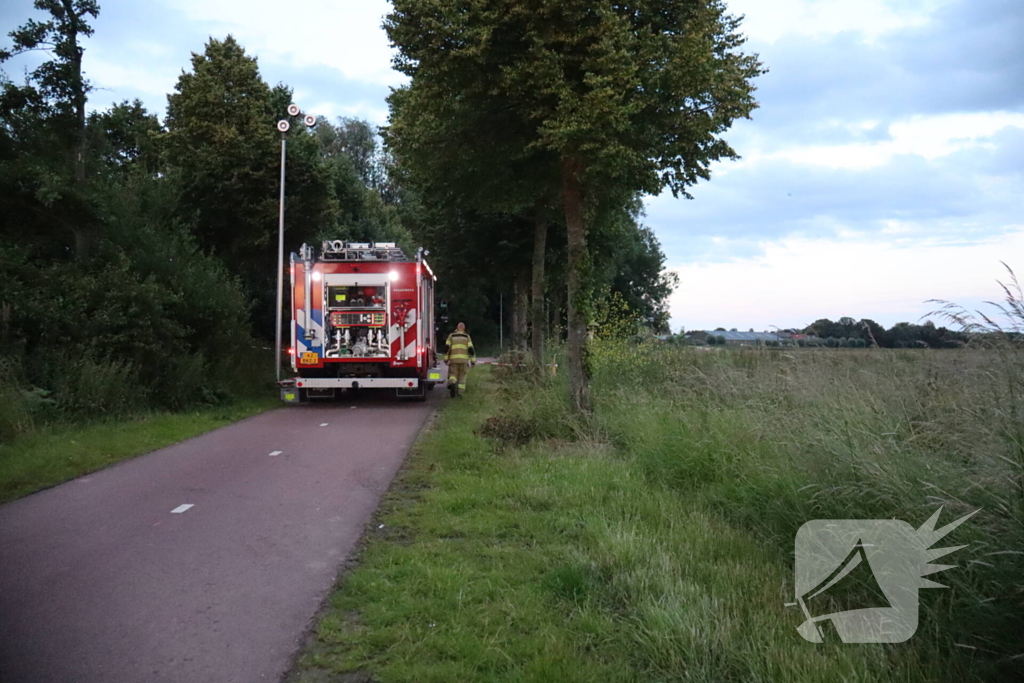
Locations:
(338, 250)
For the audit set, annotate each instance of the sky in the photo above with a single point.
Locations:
(884, 167)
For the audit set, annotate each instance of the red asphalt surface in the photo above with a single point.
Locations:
(100, 581)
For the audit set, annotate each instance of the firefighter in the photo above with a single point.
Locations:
(460, 356)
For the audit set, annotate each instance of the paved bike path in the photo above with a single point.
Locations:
(111, 578)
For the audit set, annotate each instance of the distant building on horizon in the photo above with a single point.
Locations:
(737, 338)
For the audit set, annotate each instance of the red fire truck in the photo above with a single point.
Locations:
(362, 318)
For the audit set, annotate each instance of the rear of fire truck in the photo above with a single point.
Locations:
(362, 318)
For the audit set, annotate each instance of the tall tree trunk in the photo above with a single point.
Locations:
(522, 308)
(572, 197)
(538, 315)
(83, 231)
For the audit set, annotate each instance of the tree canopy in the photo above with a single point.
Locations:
(137, 256)
(597, 98)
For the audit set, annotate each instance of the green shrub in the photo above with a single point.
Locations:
(150, 323)
(15, 418)
(87, 388)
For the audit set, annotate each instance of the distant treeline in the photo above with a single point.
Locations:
(865, 332)
(849, 333)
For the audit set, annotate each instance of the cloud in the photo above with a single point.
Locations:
(965, 57)
(333, 54)
(330, 93)
(972, 192)
(796, 281)
(929, 137)
(886, 121)
(344, 35)
(769, 22)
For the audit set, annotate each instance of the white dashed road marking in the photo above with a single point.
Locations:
(324, 424)
(182, 508)
(273, 453)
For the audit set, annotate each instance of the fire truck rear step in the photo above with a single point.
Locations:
(358, 382)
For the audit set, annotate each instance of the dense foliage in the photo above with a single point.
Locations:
(138, 254)
(137, 257)
(565, 112)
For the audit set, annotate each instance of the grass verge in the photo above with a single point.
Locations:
(653, 541)
(45, 458)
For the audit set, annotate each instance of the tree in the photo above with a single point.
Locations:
(823, 328)
(125, 138)
(627, 257)
(356, 140)
(465, 151)
(355, 169)
(223, 152)
(222, 144)
(609, 90)
(56, 95)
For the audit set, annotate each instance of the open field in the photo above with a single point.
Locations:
(654, 540)
(47, 457)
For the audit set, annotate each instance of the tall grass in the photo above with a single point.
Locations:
(653, 539)
(766, 440)
(1001, 329)
(15, 402)
(85, 389)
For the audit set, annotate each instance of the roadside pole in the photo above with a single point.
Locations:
(283, 127)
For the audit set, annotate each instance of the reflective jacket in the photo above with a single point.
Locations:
(459, 348)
